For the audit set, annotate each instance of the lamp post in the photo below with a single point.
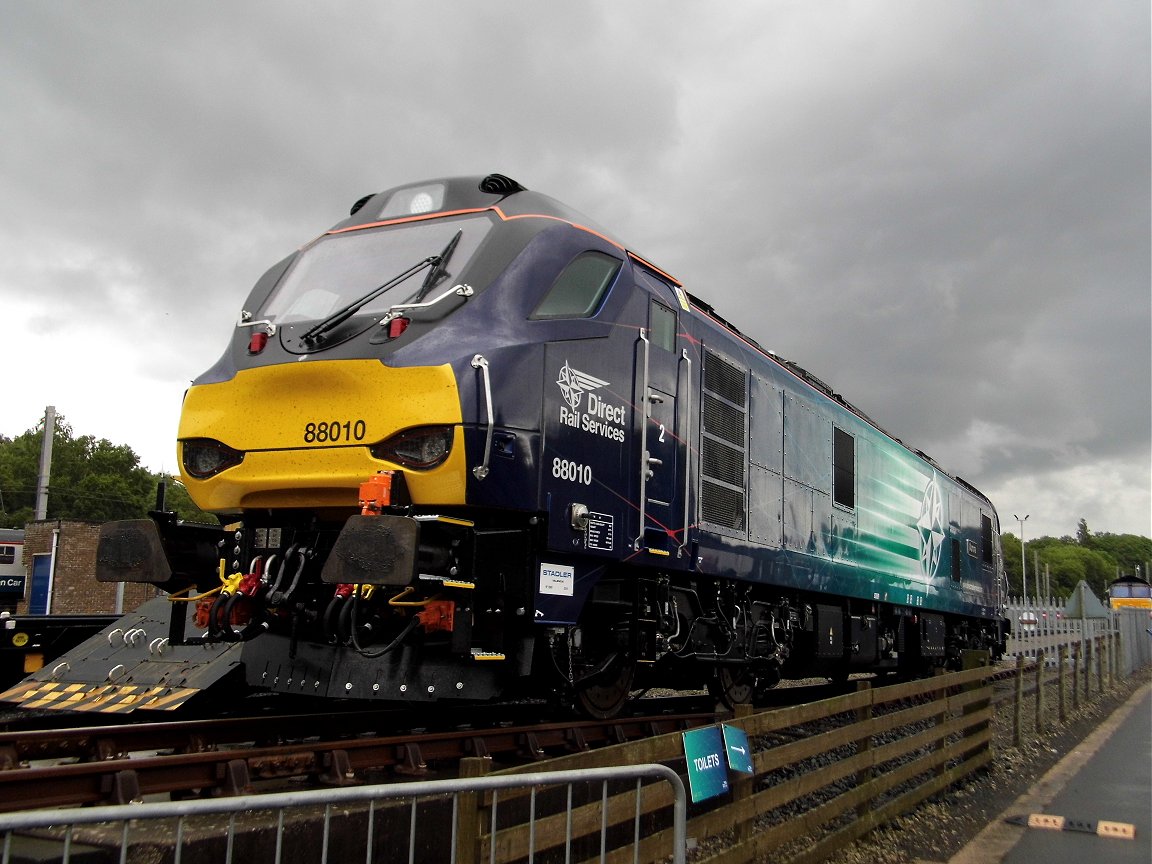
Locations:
(1023, 558)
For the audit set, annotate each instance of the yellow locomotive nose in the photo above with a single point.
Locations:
(306, 434)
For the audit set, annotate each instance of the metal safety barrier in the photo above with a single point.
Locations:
(1041, 626)
(461, 821)
(1134, 627)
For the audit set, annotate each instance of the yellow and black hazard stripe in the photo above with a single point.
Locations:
(103, 698)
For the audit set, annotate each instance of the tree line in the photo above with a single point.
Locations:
(91, 479)
(1094, 557)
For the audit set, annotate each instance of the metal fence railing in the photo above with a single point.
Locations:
(1037, 625)
(1135, 629)
(1041, 627)
(455, 821)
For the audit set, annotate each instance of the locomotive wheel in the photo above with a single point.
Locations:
(604, 696)
(732, 685)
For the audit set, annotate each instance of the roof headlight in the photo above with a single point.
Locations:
(414, 201)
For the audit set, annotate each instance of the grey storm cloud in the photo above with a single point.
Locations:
(940, 208)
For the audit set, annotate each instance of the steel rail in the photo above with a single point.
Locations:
(333, 761)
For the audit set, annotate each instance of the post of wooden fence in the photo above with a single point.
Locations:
(974, 660)
(1062, 661)
(939, 719)
(470, 813)
(1076, 677)
(742, 786)
(1018, 703)
(1039, 691)
(863, 745)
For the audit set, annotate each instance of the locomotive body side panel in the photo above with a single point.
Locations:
(771, 511)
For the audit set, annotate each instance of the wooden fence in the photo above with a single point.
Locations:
(825, 773)
(831, 770)
(1059, 678)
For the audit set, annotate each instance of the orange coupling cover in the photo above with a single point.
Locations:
(437, 615)
(241, 612)
(203, 610)
(376, 494)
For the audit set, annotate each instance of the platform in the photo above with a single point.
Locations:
(1107, 778)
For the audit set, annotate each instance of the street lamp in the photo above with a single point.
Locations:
(1023, 557)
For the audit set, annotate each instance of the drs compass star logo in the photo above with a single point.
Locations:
(931, 527)
(574, 384)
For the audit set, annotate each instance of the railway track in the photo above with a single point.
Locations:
(116, 764)
(120, 763)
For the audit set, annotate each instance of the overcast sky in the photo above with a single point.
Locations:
(941, 208)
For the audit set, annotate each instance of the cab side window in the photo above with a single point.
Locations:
(580, 288)
(986, 539)
(662, 326)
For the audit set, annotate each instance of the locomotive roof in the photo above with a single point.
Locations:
(462, 194)
(1128, 580)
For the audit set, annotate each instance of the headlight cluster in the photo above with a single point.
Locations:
(421, 447)
(204, 458)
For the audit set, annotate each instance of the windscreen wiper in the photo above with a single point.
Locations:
(439, 269)
(316, 333)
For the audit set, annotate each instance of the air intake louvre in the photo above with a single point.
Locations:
(722, 506)
(723, 444)
(723, 420)
(723, 462)
(725, 379)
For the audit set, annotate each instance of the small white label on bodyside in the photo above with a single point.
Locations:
(559, 579)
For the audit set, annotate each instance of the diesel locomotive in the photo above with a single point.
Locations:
(466, 445)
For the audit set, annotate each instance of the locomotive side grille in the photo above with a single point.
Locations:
(723, 462)
(723, 420)
(723, 443)
(725, 379)
(722, 506)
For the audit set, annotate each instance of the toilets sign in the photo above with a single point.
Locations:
(710, 752)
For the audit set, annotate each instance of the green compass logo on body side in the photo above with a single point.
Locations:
(931, 529)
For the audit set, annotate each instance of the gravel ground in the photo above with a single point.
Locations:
(942, 826)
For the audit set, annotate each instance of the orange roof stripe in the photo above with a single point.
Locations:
(424, 217)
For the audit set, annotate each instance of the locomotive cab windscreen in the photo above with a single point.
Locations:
(348, 281)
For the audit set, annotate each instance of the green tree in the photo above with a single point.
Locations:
(1069, 564)
(1083, 535)
(1010, 544)
(91, 479)
(1127, 551)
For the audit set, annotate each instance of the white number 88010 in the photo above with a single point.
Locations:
(562, 469)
